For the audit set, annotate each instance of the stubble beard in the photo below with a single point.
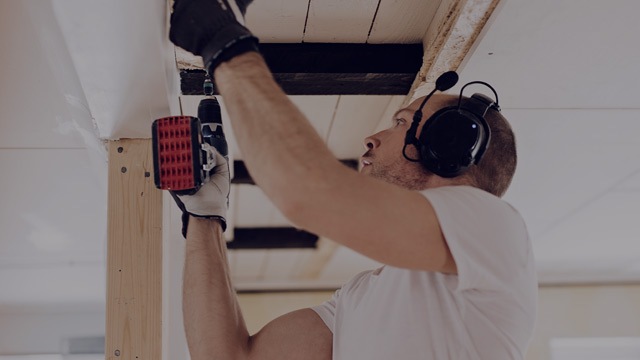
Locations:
(408, 177)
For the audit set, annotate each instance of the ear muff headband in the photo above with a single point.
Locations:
(454, 138)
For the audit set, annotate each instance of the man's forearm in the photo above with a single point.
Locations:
(213, 322)
(286, 156)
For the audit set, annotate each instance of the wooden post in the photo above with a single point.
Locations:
(134, 254)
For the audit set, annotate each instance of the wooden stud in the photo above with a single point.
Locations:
(134, 254)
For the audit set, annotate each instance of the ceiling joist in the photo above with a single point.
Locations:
(326, 68)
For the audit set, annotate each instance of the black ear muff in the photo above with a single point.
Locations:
(454, 138)
(451, 140)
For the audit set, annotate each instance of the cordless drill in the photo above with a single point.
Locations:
(184, 147)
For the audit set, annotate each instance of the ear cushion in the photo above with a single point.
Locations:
(450, 141)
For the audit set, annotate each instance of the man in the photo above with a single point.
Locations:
(458, 280)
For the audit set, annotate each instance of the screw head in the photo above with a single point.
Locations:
(117, 353)
(120, 149)
(124, 169)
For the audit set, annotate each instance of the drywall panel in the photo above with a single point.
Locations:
(124, 60)
(567, 159)
(596, 243)
(42, 104)
(561, 54)
(339, 21)
(254, 209)
(53, 211)
(277, 21)
(356, 118)
(402, 21)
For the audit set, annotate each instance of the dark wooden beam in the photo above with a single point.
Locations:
(333, 69)
(241, 174)
(272, 238)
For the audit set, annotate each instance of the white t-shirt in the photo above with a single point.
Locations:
(487, 311)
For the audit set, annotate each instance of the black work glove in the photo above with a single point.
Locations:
(213, 29)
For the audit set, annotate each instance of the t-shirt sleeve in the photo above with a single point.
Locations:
(487, 238)
(327, 310)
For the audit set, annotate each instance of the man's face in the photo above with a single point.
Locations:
(384, 159)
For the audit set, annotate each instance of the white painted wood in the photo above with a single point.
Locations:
(356, 118)
(250, 265)
(340, 21)
(450, 36)
(402, 21)
(278, 21)
(561, 54)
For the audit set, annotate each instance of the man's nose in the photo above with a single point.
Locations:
(371, 142)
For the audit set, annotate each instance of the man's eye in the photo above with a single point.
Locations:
(400, 122)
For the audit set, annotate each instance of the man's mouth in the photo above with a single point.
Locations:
(365, 162)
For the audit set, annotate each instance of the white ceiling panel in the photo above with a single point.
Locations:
(278, 21)
(54, 210)
(568, 159)
(600, 242)
(402, 21)
(632, 183)
(561, 54)
(356, 118)
(340, 21)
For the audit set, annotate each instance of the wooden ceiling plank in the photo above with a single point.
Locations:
(449, 39)
(277, 20)
(402, 22)
(340, 21)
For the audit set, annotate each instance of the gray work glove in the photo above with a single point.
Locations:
(211, 201)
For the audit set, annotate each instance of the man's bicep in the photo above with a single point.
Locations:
(384, 222)
(299, 334)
